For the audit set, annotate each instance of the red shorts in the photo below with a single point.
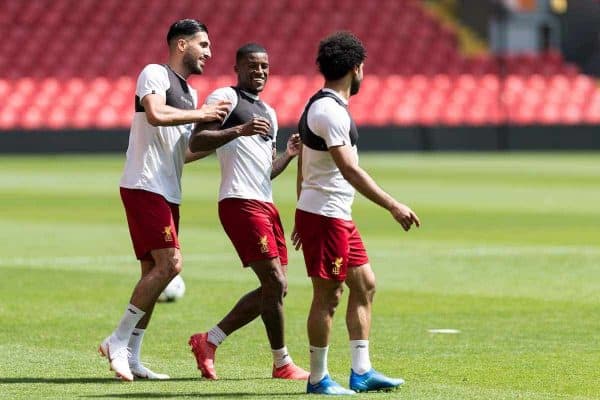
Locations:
(330, 245)
(153, 221)
(254, 228)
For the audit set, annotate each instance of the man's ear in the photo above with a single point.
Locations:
(181, 44)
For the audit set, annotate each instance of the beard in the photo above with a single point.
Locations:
(191, 63)
(354, 85)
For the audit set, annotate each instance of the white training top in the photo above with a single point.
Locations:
(246, 161)
(156, 154)
(324, 189)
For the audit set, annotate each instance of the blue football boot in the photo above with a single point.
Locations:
(373, 381)
(327, 386)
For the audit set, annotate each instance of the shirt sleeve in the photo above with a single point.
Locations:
(328, 120)
(224, 93)
(152, 80)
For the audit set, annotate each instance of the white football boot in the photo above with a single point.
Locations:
(140, 371)
(118, 357)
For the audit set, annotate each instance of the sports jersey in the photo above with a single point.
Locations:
(246, 161)
(156, 154)
(326, 123)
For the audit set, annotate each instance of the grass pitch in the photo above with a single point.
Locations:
(508, 254)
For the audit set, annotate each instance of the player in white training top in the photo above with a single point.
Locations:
(245, 144)
(328, 174)
(165, 111)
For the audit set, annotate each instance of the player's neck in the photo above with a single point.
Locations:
(340, 86)
(179, 69)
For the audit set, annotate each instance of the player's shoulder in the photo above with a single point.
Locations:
(154, 69)
(223, 93)
(154, 72)
(328, 109)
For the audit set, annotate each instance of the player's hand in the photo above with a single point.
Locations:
(293, 145)
(216, 111)
(256, 126)
(405, 216)
(296, 242)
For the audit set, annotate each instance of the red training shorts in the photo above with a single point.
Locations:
(330, 245)
(153, 221)
(254, 228)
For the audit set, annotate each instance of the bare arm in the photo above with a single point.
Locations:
(299, 173)
(280, 163)
(159, 113)
(189, 156)
(345, 160)
(296, 242)
(208, 136)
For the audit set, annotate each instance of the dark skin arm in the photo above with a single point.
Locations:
(280, 163)
(208, 136)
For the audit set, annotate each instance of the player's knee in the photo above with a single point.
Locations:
(170, 263)
(333, 299)
(276, 283)
(370, 288)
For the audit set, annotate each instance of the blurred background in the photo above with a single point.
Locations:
(440, 75)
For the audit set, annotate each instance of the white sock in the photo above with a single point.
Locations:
(281, 357)
(216, 335)
(318, 364)
(130, 319)
(360, 356)
(135, 344)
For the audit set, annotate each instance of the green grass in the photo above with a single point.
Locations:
(508, 254)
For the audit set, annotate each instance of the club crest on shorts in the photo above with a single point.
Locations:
(264, 244)
(337, 265)
(168, 234)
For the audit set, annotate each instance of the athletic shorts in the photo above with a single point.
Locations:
(254, 228)
(153, 221)
(330, 245)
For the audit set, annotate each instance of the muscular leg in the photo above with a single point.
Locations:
(146, 267)
(363, 378)
(361, 282)
(246, 310)
(156, 275)
(273, 285)
(326, 297)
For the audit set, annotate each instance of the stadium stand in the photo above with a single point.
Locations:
(72, 63)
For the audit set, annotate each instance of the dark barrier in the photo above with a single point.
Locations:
(65, 141)
(416, 138)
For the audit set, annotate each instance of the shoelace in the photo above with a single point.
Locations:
(123, 352)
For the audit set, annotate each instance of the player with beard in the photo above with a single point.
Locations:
(165, 112)
(245, 145)
(328, 175)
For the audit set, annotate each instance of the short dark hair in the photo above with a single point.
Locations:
(339, 53)
(247, 49)
(185, 27)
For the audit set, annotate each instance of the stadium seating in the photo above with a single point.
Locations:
(72, 64)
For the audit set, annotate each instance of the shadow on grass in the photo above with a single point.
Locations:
(146, 395)
(109, 380)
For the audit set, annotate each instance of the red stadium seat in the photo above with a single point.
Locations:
(415, 72)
